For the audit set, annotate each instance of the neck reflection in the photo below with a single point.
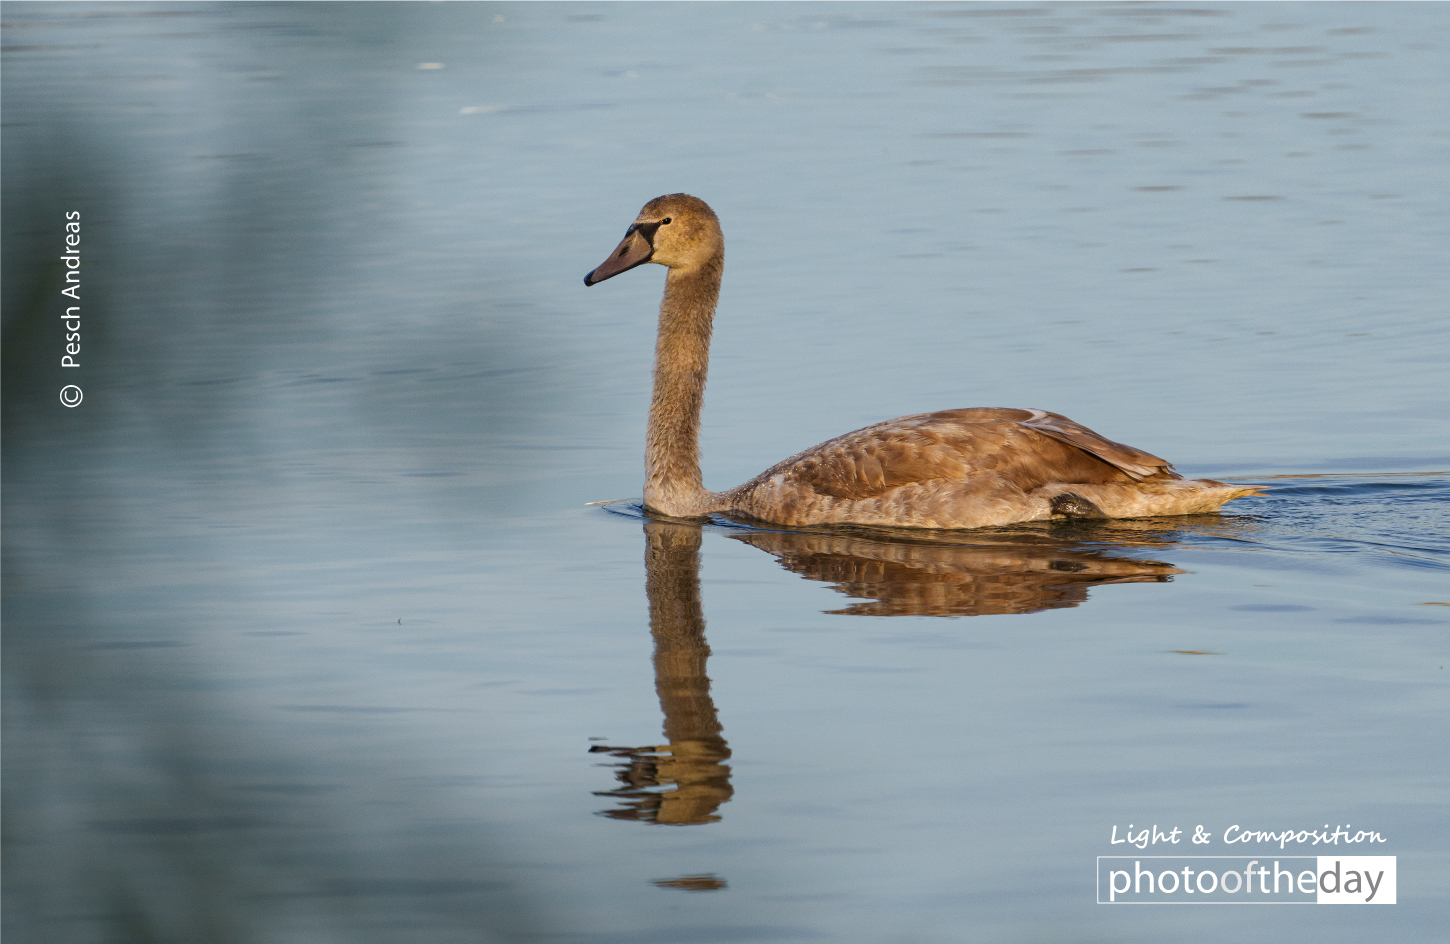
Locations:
(683, 782)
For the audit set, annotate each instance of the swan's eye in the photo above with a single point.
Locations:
(664, 221)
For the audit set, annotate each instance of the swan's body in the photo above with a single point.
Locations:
(952, 469)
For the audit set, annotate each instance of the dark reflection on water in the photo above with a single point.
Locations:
(709, 882)
(901, 572)
(931, 576)
(906, 572)
(135, 811)
(141, 803)
(691, 761)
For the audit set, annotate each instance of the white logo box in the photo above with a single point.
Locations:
(1246, 880)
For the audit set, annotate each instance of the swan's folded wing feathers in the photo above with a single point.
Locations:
(957, 444)
(875, 460)
(1134, 462)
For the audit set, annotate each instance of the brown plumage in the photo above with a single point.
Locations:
(952, 469)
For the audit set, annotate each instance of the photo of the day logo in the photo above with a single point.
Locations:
(1274, 880)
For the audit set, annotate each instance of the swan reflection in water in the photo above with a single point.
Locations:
(935, 574)
(692, 760)
(1022, 569)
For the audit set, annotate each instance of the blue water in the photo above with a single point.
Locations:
(310, 634)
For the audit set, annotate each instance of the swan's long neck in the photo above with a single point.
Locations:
(672, 482)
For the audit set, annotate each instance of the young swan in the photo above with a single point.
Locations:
(952, 469)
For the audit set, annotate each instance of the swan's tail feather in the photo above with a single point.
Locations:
(1153, 499)
(1230, 492)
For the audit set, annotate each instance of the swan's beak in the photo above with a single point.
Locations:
(635, 250)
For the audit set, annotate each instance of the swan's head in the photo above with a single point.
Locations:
(676, 230)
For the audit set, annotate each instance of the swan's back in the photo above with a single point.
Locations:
(970, 469)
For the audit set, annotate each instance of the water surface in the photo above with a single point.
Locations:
(310, 634)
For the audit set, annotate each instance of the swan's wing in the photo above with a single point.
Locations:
(1136, 463)
(1021, 447)
(875, 460)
